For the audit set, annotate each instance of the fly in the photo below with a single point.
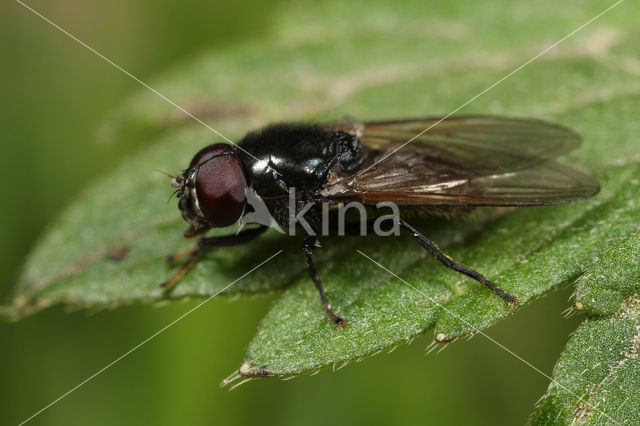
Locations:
(460, 163)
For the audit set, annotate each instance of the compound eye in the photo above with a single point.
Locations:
(220, 184)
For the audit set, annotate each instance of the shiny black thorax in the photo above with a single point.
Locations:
(299, 156)
(294, 155)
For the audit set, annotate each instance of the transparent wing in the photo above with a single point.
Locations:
(462, 161)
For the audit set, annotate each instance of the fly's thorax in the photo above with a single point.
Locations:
(286, 155)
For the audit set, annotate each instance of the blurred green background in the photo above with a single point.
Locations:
(56, 94)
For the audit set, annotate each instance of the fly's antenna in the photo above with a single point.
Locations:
(176, 181)
(164, 173)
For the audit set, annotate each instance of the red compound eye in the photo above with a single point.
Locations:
(220, 184)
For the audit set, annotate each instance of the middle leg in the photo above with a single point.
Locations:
(308, 247)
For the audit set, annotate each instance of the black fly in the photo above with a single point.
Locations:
(461, 162)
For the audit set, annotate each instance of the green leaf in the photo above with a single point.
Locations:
(107, 248)
(597, 379)
(612, 277)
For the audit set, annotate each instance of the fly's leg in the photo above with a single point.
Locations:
(203, 245)
(458, 267)
(308, 247)
(184, 268)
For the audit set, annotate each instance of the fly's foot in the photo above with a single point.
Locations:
(336, 319)
(341, 323)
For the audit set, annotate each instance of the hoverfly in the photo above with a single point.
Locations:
(461, 162)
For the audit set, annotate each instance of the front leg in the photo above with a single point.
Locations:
(308, 247)
(205, 244)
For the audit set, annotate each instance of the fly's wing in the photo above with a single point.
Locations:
(482, 161)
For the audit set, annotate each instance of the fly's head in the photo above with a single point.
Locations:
(211, 191)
